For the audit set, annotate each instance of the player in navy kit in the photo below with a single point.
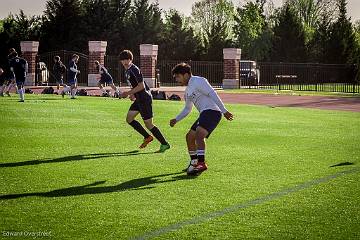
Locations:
(59, 69)
(72, 80)
(8, 77)
(19, 67)
(105, 77)
(199, 93)
(141, 95)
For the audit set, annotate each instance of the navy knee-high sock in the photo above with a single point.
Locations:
(140, 129)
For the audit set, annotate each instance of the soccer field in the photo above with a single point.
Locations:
(71, 169)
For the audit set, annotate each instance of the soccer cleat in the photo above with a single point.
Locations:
(197, 169)
(163, 148)
(21, 101)
(72, 98)
(146, 142)
(8, 94)
(185, 169)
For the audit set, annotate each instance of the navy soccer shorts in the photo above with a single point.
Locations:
(72, 81)
(143, 107)
(107, 79)
(208, 119)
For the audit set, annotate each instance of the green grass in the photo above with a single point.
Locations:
(71, 171)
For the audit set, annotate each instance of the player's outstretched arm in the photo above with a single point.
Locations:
(183, 113)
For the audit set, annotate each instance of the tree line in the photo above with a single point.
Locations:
(299, 31)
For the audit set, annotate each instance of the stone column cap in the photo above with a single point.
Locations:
(97, 46)
(232, 53)
(29, 46)
(148, 50)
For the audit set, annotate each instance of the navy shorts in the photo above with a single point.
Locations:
(20, 82)
(209, 119)
(107, 79)
(143, 107)
(59, 79)
(72, 81)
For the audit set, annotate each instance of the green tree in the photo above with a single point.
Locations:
(16, 29)
(62, 26)
(341, 46)
(213, 22)
(178, 40)
(145, 25)
(252, 32)
(288, 44)
(312, 12)
(107, 20)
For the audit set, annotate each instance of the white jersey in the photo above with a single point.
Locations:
(201, 94)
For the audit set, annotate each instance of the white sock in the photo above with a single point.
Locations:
(21, 93)
(117, 90)
(66, 89)
(73, 92)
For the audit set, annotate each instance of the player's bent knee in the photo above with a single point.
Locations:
(148, 124)
(201, 133)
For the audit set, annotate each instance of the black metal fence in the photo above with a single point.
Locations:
(263, 75)
(213, 71)
(305, 77)
(44, 67)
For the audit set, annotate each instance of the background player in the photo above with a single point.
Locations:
(105, 77)
(59, 70)
(19, 67)
(72, 80)
(9, 77)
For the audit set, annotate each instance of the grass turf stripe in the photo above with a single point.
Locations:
(234, 208)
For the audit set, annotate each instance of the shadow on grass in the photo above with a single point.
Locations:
(342, 164)
(93, 188)
(79, 157)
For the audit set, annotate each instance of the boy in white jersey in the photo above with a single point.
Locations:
(199, 93)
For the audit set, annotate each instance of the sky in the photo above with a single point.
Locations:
(36, 7)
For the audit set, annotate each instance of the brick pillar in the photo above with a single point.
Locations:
(29, 50)
(148, 57)
(231, 68)
(97, 51)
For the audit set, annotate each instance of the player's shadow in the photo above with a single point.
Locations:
(79, 157)
(94, 188)
(342, 164)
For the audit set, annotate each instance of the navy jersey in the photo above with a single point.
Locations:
(72, 74)
(134, 77)
(19, 67)
(59, 68)
(103, 72)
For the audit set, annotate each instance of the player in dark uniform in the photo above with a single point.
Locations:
(141, 95)
(105, 77)
(72, 80)
(8, 76)
(19, 67)
(59, 69)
